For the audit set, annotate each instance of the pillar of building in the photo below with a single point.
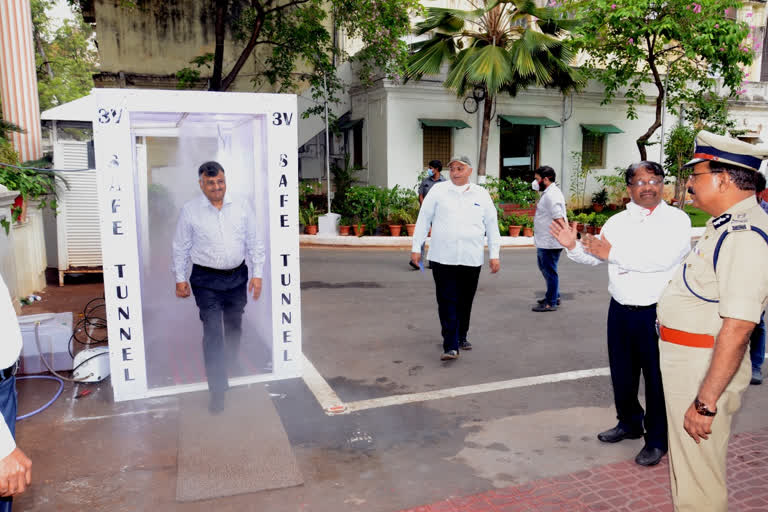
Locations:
(18, 77)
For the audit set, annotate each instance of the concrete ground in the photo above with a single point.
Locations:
(371, 331)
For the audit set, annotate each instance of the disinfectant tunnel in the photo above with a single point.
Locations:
(149, 146)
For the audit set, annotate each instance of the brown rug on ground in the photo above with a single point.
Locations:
(240, 450)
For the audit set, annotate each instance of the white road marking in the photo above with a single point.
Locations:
(332, 404)
(325, 395)
(130, 413)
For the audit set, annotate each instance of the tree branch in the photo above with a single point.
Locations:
(285, 6)
(260, 16)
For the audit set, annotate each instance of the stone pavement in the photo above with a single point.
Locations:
(623, 487)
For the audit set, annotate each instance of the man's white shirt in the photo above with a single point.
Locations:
(551, 206)
(460, 217)
(646, 249)
(216, 238)
(10, 348)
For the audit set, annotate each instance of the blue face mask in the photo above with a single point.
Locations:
(430, 172)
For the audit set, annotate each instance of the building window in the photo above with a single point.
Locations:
(437, 144)
(593, 149)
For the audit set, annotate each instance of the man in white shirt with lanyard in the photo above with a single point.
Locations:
(643, 246)
(461, 214)
(218, 234)
(551, 207)
(15, 467)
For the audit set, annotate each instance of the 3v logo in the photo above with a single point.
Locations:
(279, 118)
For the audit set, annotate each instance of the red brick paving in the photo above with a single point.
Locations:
(623, 487)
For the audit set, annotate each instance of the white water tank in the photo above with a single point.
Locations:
(54, 332)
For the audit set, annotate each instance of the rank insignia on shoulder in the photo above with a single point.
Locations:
(740, 223)
(721, 220)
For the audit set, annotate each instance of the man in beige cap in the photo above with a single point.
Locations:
(706, 315)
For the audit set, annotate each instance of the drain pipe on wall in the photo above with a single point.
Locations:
(564, 117)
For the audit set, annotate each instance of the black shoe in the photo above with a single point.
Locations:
(429, 265)
(541, 302)
(541, 308)
(617, 434)
(649, 456)
(757, 377)
(216, 402)
(413, 265)
(465, 345)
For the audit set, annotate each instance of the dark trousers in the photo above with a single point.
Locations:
(221, 300)
(455, 287)
(8, 407)
(547, 260)
(757, 344)
(633, 347)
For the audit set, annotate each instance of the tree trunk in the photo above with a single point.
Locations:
(218, 54)
(487, 110)
(643, 139)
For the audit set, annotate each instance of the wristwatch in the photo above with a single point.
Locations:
(702, 408)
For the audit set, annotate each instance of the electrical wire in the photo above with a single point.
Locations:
(50, 402)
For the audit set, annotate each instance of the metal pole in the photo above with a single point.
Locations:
(663, 118)
(327, 147)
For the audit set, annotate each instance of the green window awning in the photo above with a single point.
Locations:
(443, 123)
(601, 128)
(538, 121)
(349, 124)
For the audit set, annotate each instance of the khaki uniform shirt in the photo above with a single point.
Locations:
(740, 283)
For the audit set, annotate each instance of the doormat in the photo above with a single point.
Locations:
(241, 450)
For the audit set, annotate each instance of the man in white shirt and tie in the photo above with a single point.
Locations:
(218, 235)
(461, 214)
(15, 467)
(643, 246)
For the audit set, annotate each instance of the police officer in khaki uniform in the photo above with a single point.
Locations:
(706, 315)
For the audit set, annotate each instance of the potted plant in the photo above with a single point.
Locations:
(581, 221)
(599, 200)
(397, 217)
(309, 217)
(357, 226)
(412, 208)
(515, 224)
(589, 222)
(503, 225)
(344, 225)
(599, 222)
(527, 223)
(571, 216)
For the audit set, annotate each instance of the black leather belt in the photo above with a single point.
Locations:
(220, 271)
(9, 372)
(639, 308)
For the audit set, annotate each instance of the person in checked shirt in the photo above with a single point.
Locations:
(218, 234)
(461, 214)
(643, 247)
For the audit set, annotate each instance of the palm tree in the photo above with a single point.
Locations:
(500, 46)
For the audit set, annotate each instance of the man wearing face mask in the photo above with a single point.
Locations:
(550, 208)
(643, 247)
(433, 177)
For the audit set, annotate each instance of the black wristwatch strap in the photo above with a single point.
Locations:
(702, 408)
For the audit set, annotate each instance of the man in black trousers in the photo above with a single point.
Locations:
(218, 235)
(643, 247)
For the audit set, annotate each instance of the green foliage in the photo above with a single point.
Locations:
(345, 221)
(698, 217)
(511, 190)
(615, 184)
(65, 57)
(343, 179)
(520, 220)
(678, 149)
(628, 45)
(308, 216)
(600, 197)
(599, 220)
(499, 47)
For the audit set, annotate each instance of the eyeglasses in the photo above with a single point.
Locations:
(693, 175)
(642, 183)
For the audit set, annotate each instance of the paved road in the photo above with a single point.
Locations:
(371, 330)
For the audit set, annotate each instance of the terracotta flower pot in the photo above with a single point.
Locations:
(410, 228)
(344, 230)
(613, 206)
(597, 207)
(359, 229)
(579, 227)
(310, 230)
(515, 230)
(394, 229)
(598, 229)
(590, 230)
(527, 231)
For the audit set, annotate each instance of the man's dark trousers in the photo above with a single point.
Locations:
(8, 407)
(455, 287)
(221, 298)
(547, 260)
(633, 347)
